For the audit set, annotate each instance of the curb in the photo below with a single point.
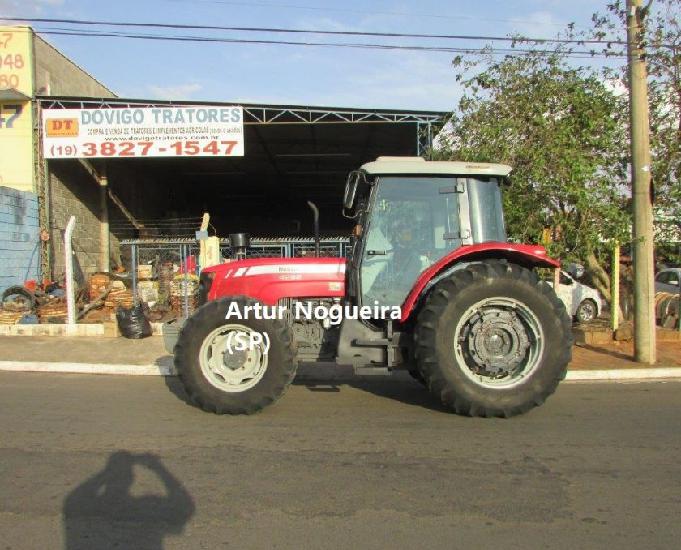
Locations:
(88, 368)
(166, 368)
(620, 375)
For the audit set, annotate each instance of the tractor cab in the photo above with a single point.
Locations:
(410, 214)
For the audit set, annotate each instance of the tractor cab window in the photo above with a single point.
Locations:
(413, 222)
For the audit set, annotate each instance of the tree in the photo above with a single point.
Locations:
(563, 132)
(662, 40)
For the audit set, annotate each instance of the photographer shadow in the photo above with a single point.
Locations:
(103, 513)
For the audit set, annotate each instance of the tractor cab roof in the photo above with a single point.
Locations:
(420, 166)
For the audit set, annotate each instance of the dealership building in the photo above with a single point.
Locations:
(134, 170)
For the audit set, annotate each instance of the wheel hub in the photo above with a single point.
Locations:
(235, 359)
(497, 341)
(226, 365)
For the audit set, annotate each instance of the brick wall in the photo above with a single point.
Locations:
(73, 192)
(19, 237)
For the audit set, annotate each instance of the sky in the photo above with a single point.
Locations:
(298, 75)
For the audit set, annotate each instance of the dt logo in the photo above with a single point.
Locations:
(61, 127)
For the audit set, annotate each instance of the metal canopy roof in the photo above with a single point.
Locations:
(293, 153)
(259, 113)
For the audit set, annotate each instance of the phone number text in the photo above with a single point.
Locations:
(143, 149)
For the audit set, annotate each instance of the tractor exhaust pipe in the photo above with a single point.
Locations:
(315, 213)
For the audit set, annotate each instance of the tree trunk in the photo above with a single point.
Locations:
(600, 278)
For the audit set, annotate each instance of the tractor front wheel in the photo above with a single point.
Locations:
(493, 340)
(234, 365)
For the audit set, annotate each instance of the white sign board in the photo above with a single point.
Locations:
(199, 131)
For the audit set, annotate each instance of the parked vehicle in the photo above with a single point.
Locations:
(582, 302)
(667, 280)
(474, 322)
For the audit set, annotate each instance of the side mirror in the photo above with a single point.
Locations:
(350, 193)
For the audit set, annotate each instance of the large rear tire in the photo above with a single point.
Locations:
(492, 340)
(220, 377)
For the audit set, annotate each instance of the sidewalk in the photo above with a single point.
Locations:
(121, 356)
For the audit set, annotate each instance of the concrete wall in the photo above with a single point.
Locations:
(19, 237)
(57, 75)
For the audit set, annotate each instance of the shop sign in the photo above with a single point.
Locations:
(188, 131)
(16, 72)
(16, 115)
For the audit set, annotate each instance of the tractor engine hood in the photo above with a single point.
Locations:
(270, 279)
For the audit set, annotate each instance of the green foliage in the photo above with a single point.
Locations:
(564, 133)
(662, 43)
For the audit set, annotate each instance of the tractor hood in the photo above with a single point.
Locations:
(270, 279)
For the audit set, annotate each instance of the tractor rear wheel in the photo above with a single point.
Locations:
(235, 365)
(493, 340)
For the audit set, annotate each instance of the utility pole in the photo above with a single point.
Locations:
(644, 287)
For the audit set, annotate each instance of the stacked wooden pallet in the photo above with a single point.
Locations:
(53, 311)
(119, 297)
(11, 316)
(98, 285)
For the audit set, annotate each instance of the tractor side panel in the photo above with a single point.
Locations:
(268, 281)
(524, 254)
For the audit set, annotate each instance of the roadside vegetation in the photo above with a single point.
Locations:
(560, 118)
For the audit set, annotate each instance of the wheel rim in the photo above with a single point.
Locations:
(498, 342)
(232, 370)
(586, 312)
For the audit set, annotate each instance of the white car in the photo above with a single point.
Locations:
(582, 302)
(667, 280)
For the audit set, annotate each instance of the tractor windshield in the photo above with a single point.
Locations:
(415, 221)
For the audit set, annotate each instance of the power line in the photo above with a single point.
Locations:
(583, 54)
(319, 31)
(367, 12)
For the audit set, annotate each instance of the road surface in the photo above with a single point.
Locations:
(117, 462)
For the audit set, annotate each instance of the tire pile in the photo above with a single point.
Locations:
(667, 309)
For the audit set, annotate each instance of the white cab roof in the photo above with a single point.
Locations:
(418, 165)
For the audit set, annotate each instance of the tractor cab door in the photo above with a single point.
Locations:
(411, 223)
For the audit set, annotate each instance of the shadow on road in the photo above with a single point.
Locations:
(175, 387)
(408, 392)
(102, 512)
(404, 391)
(612, 353)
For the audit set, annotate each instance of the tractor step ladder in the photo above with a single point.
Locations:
(390, 342)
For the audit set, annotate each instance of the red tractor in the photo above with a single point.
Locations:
(432, 286)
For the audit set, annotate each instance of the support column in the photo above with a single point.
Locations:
(104, 233)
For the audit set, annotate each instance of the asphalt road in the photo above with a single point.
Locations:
(114, 462)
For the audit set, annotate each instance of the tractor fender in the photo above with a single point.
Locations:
(530, 256)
